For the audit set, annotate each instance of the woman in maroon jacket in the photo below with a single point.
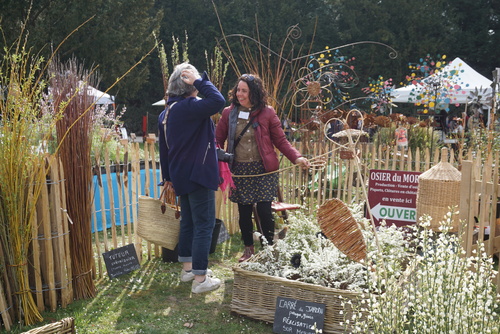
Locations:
(252, 131)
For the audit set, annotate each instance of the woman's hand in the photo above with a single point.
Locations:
(189, 77)
(303, 162)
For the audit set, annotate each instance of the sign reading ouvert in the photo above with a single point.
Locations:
(392, 196)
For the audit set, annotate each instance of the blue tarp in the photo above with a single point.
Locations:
(120, 213)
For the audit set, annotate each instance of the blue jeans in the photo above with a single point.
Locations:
(197, 226)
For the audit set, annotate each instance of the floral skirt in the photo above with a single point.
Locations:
(253, 189)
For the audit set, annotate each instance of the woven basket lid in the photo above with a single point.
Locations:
(443, 171)
(338, 224)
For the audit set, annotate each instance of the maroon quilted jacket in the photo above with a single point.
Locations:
(268, 135)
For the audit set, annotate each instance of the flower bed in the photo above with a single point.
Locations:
(255, 294)
(307, 266)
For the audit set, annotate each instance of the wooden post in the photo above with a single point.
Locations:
(119, 178)
(97, 242)
(126, 187)
(37, 254)
(467, 186)
(104, 222)
(53, 211)
(135, 185)
(63, 240)
(111, 199)
(152, 153)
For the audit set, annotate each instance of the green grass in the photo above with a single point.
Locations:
(153, 300)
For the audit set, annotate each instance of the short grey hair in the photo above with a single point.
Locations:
(176, 86)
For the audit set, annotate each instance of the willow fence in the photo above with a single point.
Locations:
(335, 173)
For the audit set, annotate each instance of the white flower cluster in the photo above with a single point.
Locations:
(307, 256)
(442, 291)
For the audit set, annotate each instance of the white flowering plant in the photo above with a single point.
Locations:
(441, 291)
(306, 255)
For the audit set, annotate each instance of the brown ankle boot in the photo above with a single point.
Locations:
(247, 253)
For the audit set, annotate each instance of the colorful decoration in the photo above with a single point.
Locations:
(324, 79)
(379, 92)
(434, 83)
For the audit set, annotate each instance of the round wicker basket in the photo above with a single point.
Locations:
(438, 191)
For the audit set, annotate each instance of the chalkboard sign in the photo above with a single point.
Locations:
(298, 316)
(121, 261)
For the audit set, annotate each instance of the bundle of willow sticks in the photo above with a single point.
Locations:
(69, 83)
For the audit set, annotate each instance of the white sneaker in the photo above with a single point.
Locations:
(210, 283)
(187, 276)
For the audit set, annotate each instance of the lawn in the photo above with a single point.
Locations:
(153, 300)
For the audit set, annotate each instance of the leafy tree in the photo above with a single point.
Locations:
(476, 37)
(412, 28)
(118, 34)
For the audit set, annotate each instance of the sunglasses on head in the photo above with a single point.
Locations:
(248, 77)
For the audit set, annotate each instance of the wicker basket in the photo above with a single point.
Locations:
(66, 325)
(438, 190)
(155, 226)
(255, 294)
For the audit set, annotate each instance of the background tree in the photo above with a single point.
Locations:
(476, 35)
(120, 32)
(117, 36)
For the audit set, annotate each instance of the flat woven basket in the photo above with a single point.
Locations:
(255, 294)
(438, 190)
(66, 325)
(338, 224)
(154, 226)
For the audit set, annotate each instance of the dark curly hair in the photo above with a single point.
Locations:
(258, 94)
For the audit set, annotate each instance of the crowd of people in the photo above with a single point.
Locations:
(458, 125)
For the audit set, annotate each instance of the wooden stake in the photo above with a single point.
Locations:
(110, 198)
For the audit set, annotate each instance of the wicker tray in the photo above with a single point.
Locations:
(254, 296)
(66, 325)
(338, 224)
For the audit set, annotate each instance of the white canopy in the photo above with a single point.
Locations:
(159, 103)
(99, 96)
(162, 102)
(457, 81)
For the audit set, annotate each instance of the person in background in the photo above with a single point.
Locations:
(452, 124)
(188, 160)
(252, 131)
(335, 125)
(354, 119)
(287, 128)
(458, 131)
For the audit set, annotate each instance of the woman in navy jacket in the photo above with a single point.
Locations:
(188, 160)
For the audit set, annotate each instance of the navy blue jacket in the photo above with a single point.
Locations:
(189, 160)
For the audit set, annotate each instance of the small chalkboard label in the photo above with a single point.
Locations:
(121, 261)
(298, 316)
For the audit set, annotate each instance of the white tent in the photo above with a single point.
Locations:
(99, 96)
(456, 82)
(159, 103)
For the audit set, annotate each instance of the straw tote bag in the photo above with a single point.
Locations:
(159, 222)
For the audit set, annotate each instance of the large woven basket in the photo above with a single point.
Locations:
(66, 325)
(155, 226)
(255, 294)
(438, 191)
